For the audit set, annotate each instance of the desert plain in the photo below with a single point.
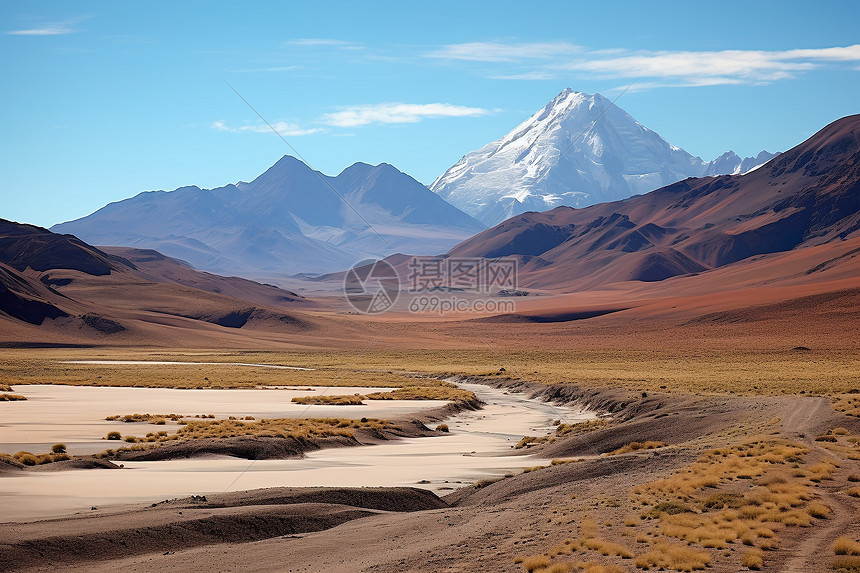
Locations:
(661, 437)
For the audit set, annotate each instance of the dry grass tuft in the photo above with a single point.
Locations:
(433, 390)
(818, 510)
(848, 404)
(846, 565)
(753, 560)
(29, 459)
(563, 430)
(533, 469)
(673, 557)
(340, 400)
(150, 418)
(295, 428)
(780, 495)
(581, 427)
(535, 562)
(607, 548)
(556, 568)
(846, 546)
(637, 446)
(11, 398)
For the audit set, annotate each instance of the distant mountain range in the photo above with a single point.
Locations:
(792, 226)
(288, 220)
(578, 150)
(808, 196)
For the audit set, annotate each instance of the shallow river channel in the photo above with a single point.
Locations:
(479, 445)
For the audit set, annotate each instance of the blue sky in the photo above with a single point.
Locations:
(103, 100)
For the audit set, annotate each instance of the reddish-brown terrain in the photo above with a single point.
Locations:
(683, 315)
(808, 196)
(788, 230)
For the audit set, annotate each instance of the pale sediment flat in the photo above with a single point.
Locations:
(178, 363)
(75, 415)
(480, 445)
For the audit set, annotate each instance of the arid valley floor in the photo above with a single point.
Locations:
(725, 442)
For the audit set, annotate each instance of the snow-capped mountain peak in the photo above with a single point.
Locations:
(577, 150)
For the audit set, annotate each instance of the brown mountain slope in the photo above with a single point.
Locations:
(807, 196)
(161, 268)
(58, 289)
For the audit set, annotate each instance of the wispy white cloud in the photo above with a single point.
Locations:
(503, 52)
(697, 68)
(844, 54)
(50, 28)
(555, 60)
(283, 128)
(394, 112)
(360, 115)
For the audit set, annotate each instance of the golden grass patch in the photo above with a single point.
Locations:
(717, 371)
(150, 418)
(674, 557)
(437, 390)
(818, 510)
(753, 560)
(736, 496)
(607, 548)
(535, 562)
(563, 430)
(631, 521)
(846, 546)
(29, 459)
(846, 564)
(339, 400)
(297, 428)
(687, 510)
(533, 469)
(11, 397)
(637, 446)
(581, 427)
(848, 404)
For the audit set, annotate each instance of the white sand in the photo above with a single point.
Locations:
(476, 448)
(75, 415)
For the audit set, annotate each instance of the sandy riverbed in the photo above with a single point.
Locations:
(476, 448)
(75, 415)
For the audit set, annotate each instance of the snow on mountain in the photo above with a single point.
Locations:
(579, 150)
(288, 220)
